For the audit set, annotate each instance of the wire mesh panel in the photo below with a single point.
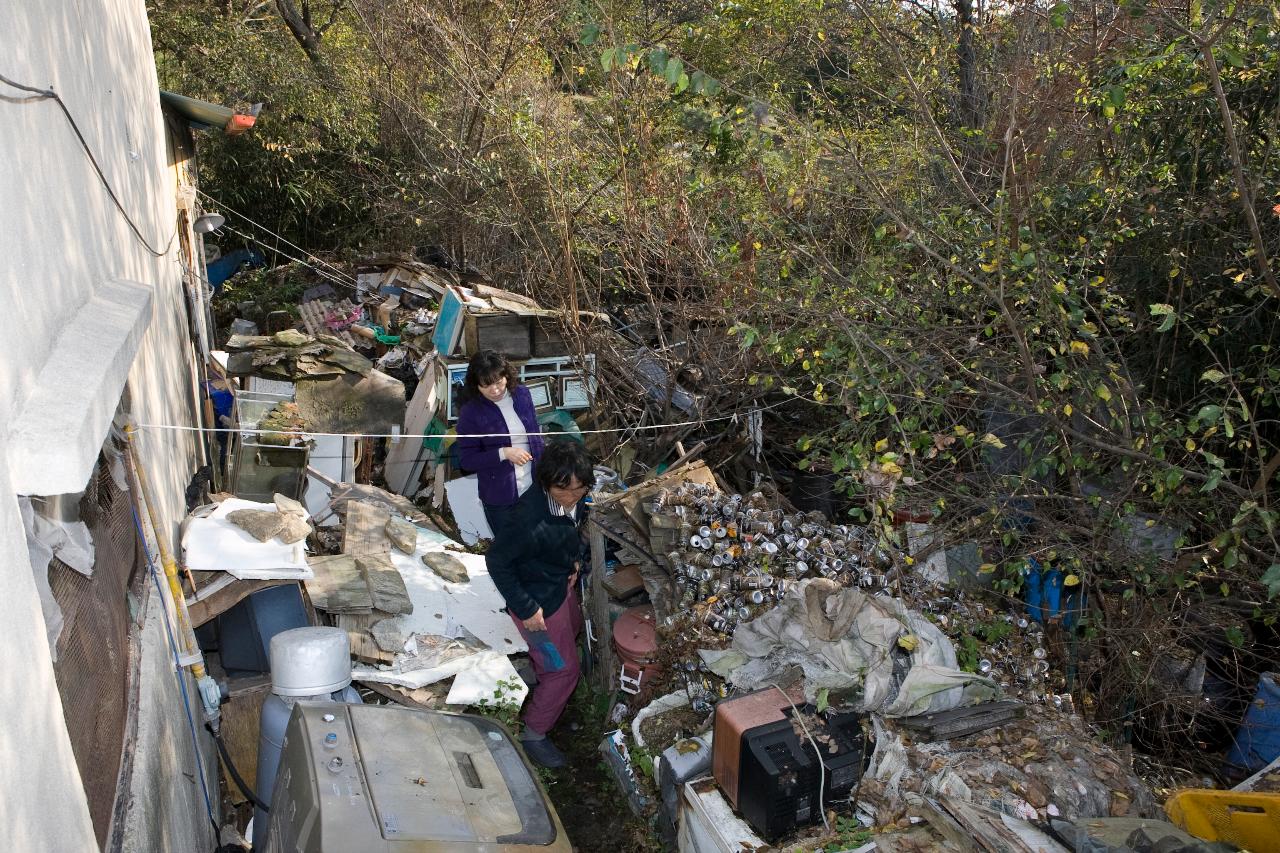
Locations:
(93, 669)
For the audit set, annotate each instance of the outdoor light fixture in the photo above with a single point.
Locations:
(209, 222)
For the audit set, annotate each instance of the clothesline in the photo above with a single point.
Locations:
(254, 431)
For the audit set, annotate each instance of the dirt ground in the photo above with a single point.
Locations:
(593, 810)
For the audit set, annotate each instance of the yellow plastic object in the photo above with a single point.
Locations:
(1244, 818)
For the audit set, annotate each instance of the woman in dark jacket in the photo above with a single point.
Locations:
(535, 566)
(498, 434)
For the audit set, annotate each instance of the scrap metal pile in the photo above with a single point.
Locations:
(739, 554)
(748, 594)
(729, 558)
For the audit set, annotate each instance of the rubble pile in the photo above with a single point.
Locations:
(730, 558)
(1039, 767)
(963, 698)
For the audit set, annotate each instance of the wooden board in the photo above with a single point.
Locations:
(364, 534)
(363, 647)
(606, 669)
(365, 530)
(213, 604)
(403, 458)
(429, 698)
(548, 338)
(240, 717)
(509, 334)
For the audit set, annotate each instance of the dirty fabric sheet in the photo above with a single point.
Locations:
(848, 642)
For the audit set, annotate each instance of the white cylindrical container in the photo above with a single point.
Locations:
(310, 661)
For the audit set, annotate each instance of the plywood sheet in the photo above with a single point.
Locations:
(240, 716)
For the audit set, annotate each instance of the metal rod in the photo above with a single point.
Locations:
(166, 558)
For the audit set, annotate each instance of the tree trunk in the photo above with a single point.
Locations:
(299, 23)
(967, 66)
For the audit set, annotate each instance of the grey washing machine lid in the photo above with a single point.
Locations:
(448, 778)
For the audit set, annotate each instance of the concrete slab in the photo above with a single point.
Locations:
(56, 436)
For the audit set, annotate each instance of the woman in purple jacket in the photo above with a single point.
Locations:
(498, 434)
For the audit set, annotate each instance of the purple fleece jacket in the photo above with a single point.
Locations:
(480, 417)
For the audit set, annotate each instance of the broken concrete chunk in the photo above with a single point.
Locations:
(339, 585)
(448, 567)
(289, 506)
(388, 635)
(294, 529)
(402, 534)
(262, 524)
(386, 587)
(292, 338)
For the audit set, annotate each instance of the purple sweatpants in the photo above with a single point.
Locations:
(547, 701)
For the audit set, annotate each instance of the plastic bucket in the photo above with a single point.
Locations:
(1257, 741)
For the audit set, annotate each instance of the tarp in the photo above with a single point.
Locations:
(848, 642)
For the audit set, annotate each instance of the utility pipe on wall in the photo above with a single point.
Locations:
(210, 693)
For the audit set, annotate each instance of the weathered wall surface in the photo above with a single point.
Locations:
(62, 245)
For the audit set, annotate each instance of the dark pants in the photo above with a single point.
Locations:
(497, 517)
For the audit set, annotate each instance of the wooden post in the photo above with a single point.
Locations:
(606, 665)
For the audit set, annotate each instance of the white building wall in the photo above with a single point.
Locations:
(61, 242)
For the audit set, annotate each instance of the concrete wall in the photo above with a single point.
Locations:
(61, 242)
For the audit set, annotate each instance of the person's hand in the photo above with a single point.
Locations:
(516, 456)
(573, 578)
(535, 622)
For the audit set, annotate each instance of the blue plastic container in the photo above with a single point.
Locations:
(1257, 741)
(245, 631)
(1046, 597)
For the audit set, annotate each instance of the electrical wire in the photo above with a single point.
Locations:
(822, 777)
(609, 430)
(50, 95)
(177, 669)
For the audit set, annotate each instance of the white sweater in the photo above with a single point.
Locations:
(519, 438)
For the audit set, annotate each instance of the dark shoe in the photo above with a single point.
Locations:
(544, 753)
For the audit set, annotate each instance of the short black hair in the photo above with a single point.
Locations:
(564, 461)
(486, 368)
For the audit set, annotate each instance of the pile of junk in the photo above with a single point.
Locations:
(783, 682)
(341, 676)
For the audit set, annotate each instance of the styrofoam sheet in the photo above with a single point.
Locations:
(479, 682)
(214, 544)
(468, 512)
(708, 824)
(446, 608)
